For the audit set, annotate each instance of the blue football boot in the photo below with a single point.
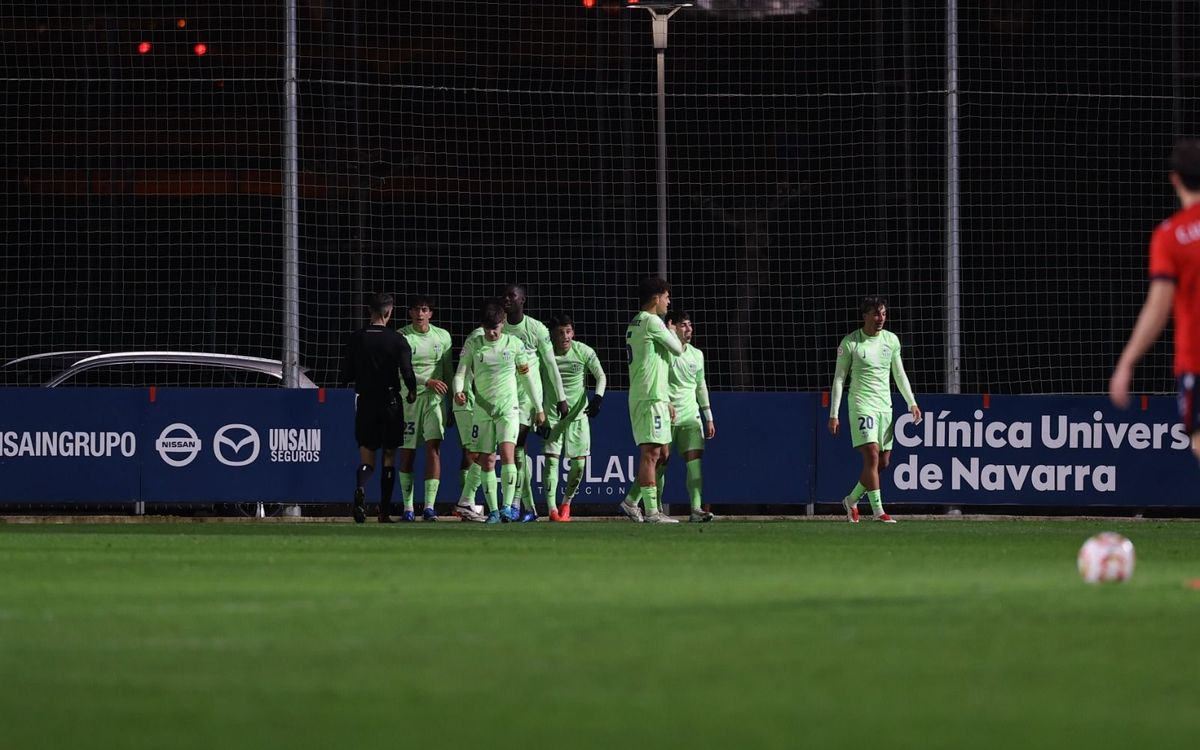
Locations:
(429, 514)
(493, 517)
(408, 517)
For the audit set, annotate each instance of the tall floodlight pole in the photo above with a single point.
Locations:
(661, 12)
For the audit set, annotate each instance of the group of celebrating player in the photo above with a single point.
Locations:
(512, 365)
(511, 370)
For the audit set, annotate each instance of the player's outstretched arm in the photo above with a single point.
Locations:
(1150, 324)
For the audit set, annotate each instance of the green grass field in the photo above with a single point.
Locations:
(607, 635)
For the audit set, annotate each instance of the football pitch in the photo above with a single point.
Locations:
(927, 634)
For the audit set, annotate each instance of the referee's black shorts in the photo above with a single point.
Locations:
(378, 421)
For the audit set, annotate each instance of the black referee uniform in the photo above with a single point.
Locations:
(376, 358)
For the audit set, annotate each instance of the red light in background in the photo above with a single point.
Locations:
(181, 23)
(144, 48)
(589, 3)
(200, 48)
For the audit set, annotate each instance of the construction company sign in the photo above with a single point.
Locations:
(1030, 449)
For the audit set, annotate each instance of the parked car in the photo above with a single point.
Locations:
(90, 368)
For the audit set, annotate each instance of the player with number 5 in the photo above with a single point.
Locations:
(871, 357)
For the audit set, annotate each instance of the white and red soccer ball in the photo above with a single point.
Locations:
(1106, 558)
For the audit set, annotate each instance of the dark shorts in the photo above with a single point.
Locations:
(378, 422)
(1189, 401)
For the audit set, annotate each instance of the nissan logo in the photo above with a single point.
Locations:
(234, 438)
(178, 445)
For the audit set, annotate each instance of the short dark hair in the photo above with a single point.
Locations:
(650, 287)
(504, 290)
(380, 302)
(871, 304)
(1185, 162)
(491, 314)
(417, 300)
(560, 320)
(675, 317)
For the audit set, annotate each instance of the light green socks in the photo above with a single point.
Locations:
(489, 489)
(660, 477)
(695, 482)
(526, 483)
(574, 477)
(857, 493)
(471, 479)
(634, 494)
(508, 483)
(550, 483)
(406, 488)
(650, 499)
(431, 490)
(876, 499)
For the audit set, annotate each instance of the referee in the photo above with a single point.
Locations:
(376, 357)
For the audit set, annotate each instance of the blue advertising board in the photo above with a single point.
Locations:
(1031, 450)
(297, 446)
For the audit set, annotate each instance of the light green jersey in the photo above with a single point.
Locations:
(494, 367)
(430, 356)
(579, 360)
(468, 386)
(536, 336)
(689, 392)
(650, 347)
(870, 361)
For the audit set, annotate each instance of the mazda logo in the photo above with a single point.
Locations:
(233, 439)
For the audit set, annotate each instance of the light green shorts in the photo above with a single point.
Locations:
(651, 422)
(424, 420)
(487, 432)
(576, 440)
(688, 435)
(464, 420)
(871, 427)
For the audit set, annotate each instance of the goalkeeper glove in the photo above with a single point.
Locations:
(543, 430)
(594, 406)
(563, 409)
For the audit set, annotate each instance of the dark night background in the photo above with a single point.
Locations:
(453, 146)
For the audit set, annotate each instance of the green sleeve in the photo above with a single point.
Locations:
(702, 391)
(839, 378)
(593, 365)
(901, 377)
(660, 334)
(545, 352)
(464, 369)
(534, 382)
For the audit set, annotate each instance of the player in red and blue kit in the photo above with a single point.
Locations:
(1174, 283)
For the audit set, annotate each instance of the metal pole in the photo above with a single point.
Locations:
(659, 29)
(660, 55)
(291, 208)
(953, 258)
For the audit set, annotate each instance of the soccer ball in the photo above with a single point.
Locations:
(1105, 558)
